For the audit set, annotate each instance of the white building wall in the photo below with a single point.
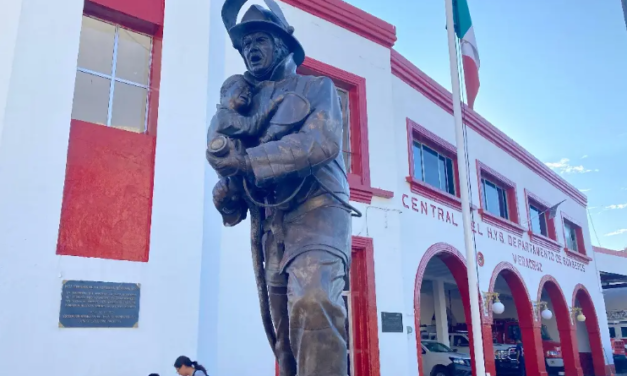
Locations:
(33, 153)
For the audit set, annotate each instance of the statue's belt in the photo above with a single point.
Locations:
(275, 222)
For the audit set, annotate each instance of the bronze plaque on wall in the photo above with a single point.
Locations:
(89, 304)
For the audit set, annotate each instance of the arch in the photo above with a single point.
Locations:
(567, 332)
(529, 328)
(592, 325)
(456, 263)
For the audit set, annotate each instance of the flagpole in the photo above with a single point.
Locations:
(471, 269)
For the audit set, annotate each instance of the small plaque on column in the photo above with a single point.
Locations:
(89, 304)
(391, 322)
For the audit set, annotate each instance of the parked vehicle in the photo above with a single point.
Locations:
(618, 352)
(439, 360)
(504, 354)
(507, 331)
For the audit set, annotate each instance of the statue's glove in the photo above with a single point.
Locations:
(236, 162)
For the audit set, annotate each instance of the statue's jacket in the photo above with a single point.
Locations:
(313, 219)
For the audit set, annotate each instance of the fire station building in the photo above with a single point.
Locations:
(114, 261)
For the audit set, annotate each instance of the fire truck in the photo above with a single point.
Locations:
(507, 331)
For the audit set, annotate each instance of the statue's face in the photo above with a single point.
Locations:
(258, 51)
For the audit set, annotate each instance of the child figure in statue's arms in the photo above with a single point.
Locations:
(235, 103)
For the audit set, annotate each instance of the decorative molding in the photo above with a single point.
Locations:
(609, 252)
(543, 241)
(414, 77)
(350, 18)
(578, 256)
(432, 193)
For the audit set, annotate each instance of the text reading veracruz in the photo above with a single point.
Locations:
(436, 212)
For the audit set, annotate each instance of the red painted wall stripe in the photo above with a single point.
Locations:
(107, 197)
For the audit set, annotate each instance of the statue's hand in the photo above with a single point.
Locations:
(224, 198)
(234, 163)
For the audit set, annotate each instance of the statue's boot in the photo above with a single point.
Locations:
(280, 318)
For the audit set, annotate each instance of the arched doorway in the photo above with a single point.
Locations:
(525, 327)
(582, 299)
(454, 261)
(560, 333)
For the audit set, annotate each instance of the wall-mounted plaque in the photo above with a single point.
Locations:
(391, 322)
(88, 304)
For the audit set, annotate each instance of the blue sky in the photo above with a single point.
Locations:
(553, 77)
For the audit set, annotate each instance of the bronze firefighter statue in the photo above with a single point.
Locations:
(275, 142)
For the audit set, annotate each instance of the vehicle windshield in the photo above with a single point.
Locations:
(436, 347)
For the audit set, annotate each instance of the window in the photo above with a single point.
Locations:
(541, 222)
(612, 333)
(495, 198)
(570, 234)
(538, 220)
(499, 205)
(623, 331)
(433, 168)
(346, 128)
(112, 79)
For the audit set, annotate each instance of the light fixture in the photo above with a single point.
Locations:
(497, 306)
(543, 308)
(579, 314)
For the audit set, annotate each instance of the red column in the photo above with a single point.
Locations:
(488, 348)
(534, 354)
(570, 351)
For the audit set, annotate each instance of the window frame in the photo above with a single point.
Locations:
(146, 19)
(418, 133)
(112, 76)
(512, 224)
(359, 177)
(581, 254)
(549, 241)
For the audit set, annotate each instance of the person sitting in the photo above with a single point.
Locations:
(185, 367)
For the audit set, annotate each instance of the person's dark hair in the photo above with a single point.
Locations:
(187, 362)
(154, 374)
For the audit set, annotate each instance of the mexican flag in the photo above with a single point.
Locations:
(470, 53)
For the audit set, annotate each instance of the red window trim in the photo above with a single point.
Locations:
(416, 132)
(550, 241)
(140, 16)
(513, 224)
(359, 177)
(364, 302)
(581, 254)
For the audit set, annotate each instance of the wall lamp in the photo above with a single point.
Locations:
(543, 309)
(497, 307)
(578, 313)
